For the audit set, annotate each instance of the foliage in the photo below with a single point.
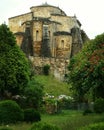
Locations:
(86, 71)
(34, 94)
(99, 105)
(31, 115)
(50, 104)
(6, 36)
(87, 111)
(44, 126)
(65, 120)
(14, 67)
(96, 126)
(10, 112)
(46, 69)
(65, 103)
(57, 104)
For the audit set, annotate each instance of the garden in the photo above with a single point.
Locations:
(66, 120)
(28, 103)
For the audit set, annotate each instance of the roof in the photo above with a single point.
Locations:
(61, 33)
(19, 33)
(48, 5)
(44, 5)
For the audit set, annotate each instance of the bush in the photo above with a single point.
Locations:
(31, 115)
(87, 111)
(96, 126)
(66, 103)
(43, 126)
(5, 128)
(99, 105)
(10, 112)
(34, 94)
(49, 127)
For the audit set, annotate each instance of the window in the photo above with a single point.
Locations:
(49, 33)
(62, 44)
(37, 35)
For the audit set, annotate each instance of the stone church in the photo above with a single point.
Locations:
(48, 36)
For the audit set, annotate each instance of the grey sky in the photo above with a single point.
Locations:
(88, 12)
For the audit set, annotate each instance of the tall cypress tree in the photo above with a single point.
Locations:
(14, 67)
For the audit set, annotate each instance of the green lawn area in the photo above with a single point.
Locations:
(53, 86)
(72, 120)
(67, 120)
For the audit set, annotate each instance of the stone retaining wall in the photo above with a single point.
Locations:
(58, 66)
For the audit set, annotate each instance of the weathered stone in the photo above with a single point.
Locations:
(49, 36)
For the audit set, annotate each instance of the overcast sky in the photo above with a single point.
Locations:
(88, 12)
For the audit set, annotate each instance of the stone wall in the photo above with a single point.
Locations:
(15, 23)
(46, 11)
(58, 66)
(63, 45)
(48, 32)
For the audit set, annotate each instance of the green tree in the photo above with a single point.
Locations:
(86, 70)
(34, 94)
(14, 67)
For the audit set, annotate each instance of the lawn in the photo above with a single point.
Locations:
(53, 86)
(72, 120)
(67, 120)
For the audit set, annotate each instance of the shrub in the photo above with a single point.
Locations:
(51, 105)
(43, 126)
(87, 111)
(46, 69)
(96, 126)
(34, 94)
(99, 105)
(66, 103)
(10, 112)
(31, 115)
(49, 127)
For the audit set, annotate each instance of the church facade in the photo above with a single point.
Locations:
(46, 31)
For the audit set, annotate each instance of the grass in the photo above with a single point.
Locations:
(67, 120)
(53, 86)
(72, 120)
(18, 126)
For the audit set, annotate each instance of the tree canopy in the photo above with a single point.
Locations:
(14, 67)
(86, 70)
(34, 93)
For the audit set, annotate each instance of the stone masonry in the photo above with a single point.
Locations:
(48, 36)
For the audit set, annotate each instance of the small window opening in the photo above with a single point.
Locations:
(37, 35)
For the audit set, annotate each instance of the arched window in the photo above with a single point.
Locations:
(37, 35)
(49, 33)
(62, 44)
